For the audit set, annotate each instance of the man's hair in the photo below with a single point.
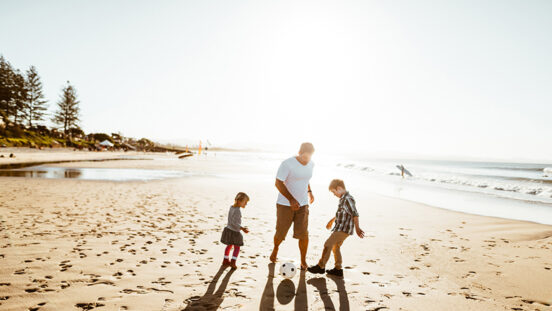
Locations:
(336, 183)
(242, 196)
(306, 147)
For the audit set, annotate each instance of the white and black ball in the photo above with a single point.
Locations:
(288, 270)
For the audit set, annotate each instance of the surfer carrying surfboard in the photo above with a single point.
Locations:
(403, 171)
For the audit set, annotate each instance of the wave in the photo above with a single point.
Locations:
(523, 186)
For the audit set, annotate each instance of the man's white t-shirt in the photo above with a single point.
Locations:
(296, 177)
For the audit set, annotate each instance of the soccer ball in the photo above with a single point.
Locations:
(288, 270)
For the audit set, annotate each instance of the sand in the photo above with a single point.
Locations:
(26, 155)
(97, 245)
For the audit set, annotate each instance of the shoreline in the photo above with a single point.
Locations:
(29, 164)
(25, 157)
(68, 155)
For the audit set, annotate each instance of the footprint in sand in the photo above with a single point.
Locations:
(89, 305)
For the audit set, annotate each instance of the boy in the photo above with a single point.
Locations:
(346, 220)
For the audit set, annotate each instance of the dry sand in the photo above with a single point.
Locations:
(98, 245)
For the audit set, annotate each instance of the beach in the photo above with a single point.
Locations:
(73, 244)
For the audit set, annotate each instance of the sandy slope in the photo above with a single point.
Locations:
(83, 245)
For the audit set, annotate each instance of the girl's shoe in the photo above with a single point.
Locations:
(226, 262)
(233, 264)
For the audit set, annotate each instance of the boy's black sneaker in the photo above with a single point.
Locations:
(336, 272)
(316, 269)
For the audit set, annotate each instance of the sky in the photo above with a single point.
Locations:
(456, 79)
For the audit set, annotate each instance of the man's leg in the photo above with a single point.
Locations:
(284, 218)
(303, 246)
(301, 232)
(277, 242)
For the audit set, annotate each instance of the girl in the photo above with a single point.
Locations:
(231, 235)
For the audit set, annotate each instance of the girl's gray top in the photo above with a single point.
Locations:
(234, 219)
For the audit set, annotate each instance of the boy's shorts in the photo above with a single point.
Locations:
(285, 217)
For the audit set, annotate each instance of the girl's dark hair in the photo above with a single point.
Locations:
(242, 196)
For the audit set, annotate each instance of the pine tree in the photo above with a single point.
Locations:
(12, 91)
(6, 86)
(35, 105)
(16, 106)
(67, 115)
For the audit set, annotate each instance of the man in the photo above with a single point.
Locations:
(294, 197)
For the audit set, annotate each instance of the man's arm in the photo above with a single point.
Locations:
(285, 192)
(311, 196)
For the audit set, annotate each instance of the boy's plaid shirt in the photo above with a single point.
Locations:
(346, 210)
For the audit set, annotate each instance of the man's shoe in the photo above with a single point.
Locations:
(316, 269)
(336, 272)
(233, 264)
(226, 262)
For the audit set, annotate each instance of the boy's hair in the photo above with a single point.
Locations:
(306, 147)
(336, 183)
(241, 196)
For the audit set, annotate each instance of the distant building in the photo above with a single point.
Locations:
(106, 144)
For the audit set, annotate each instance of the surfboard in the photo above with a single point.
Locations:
(403, 169)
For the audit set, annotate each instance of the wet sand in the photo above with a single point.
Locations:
(28, 155)
(101, 245)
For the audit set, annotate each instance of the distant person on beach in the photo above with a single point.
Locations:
(346, 222)
(231, 235)
(294, 196)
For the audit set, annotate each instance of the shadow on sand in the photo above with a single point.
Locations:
(211, 300)
(285, 293)
(320, 284)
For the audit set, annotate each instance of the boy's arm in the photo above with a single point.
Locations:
(352, 207)
(359, 231)
(330, 223)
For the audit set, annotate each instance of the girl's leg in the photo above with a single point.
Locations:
(227, 252)
(236, 252)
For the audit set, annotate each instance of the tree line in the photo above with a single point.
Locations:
(22, 101)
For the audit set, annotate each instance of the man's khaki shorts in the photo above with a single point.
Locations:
(285, 217)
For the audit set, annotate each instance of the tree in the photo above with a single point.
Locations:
(6, 72)
(12, 91)
(6, 87)
(146, 143)
(16, 105)
(67, 115)
(76, 132)
(101, 137)
(35, 105)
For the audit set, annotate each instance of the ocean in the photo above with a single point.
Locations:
(520, 191)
